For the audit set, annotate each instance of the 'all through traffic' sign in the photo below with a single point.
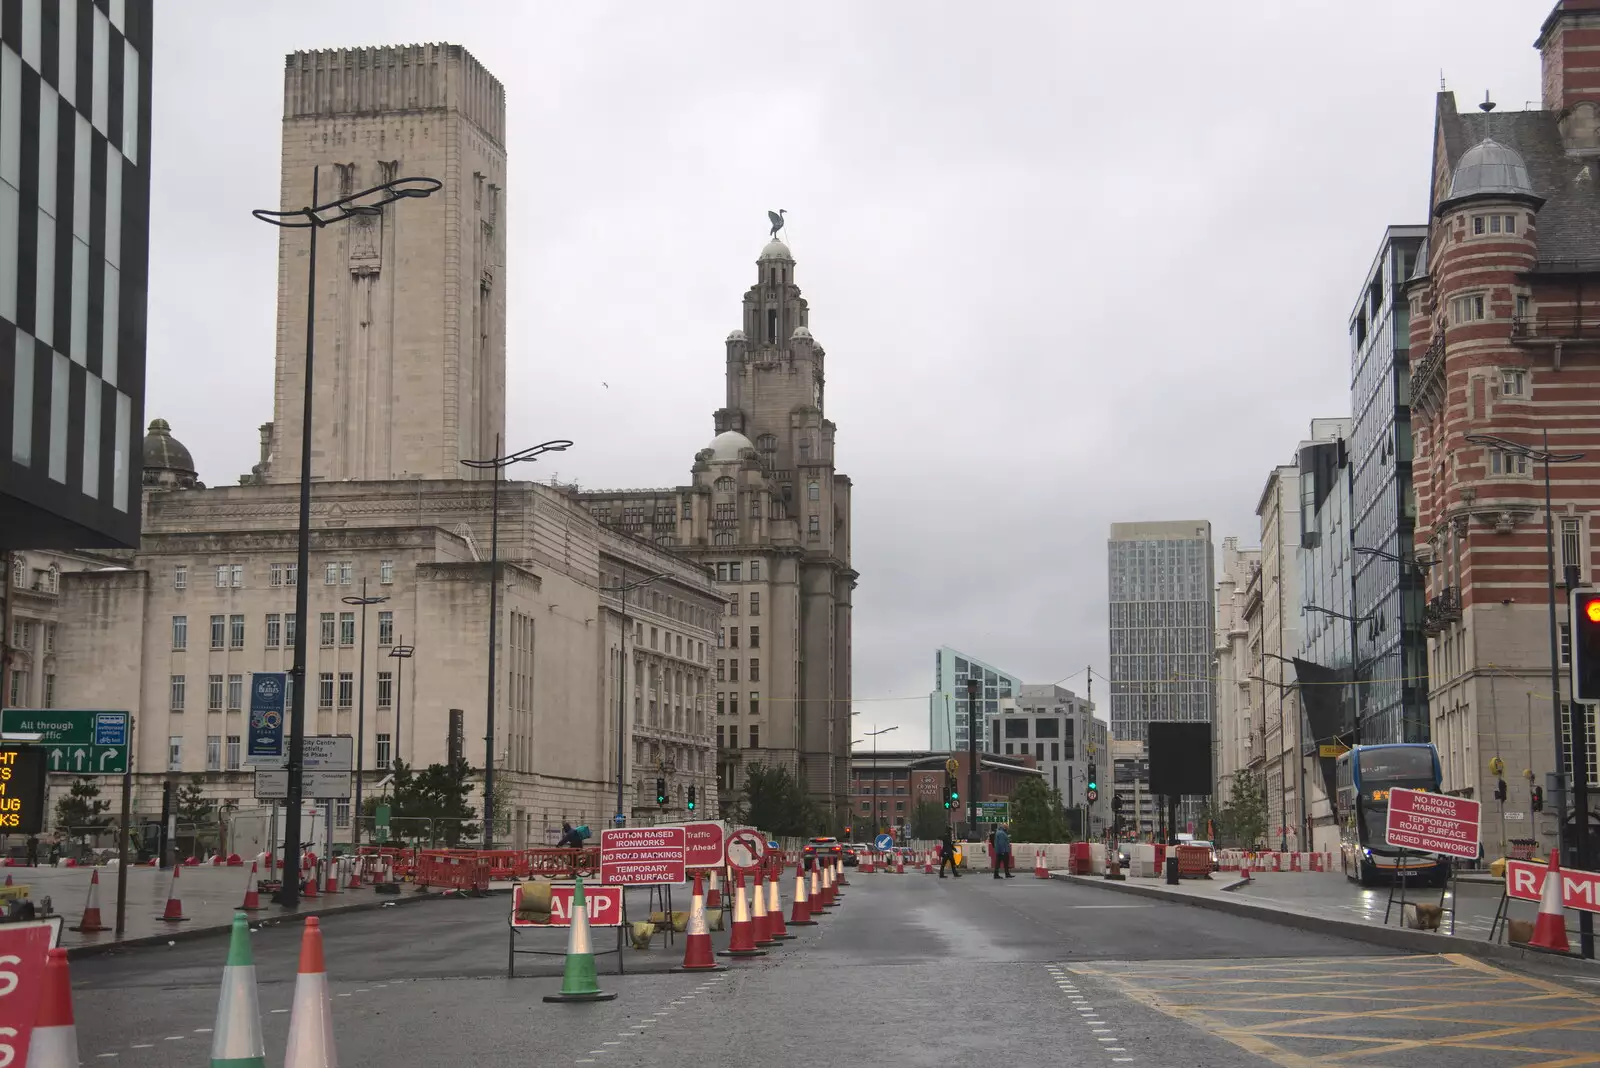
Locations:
(75, 741)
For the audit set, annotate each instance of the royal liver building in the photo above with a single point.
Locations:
(767, 513)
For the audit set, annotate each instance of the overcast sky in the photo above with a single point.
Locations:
(1071, 266)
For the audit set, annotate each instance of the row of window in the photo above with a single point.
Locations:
(20, 694)
(728, 738)
(732, 570)
(226, 693)
(45, 580)
(726, 485)
(228, 631)
(732, 673)
(1474, 307)
(755, 605)
(728, 638)
(728, 703)
(219, 758)
(23, 630)
(666, 641)
(231, 576)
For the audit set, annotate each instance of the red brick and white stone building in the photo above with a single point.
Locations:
(1505, 337)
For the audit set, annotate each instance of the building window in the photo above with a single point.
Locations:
(19, 688)
(222, 576)
(722, 671)
(655, 635)
(274, 574)
(1507, 463)
(325, 689)
(722, 704)
(723, 485)
(233, 752)
(755, 571)
(814, 527)
(755, 637)
(214, 693)
(238, 576)
(235, 693)
(1468, 309)
(50, 691)
(327, 630)
(733, 605)
(386, 573)
(755, 669)
(341, 812)
(383, 751)
(219, 631)
(346, 569)
(175, 691)
(175, 752)
(755, 736)
(755, 704)
(347, 689)
(385, 689)
(1524, 305)
(236, 632)
(813, 491)
(180, 577)
(734, 571)
(291, 625)
(180, 632)
(733, 706)
(385, 628)
(722, 638)
(755, 604)
(1055, 750)
(1513, 382)
(330, 574)
(721, 741)
(274, 630)
(733, 637)
(291, 574)
(723, 538)
(347, 628)
(213, 752)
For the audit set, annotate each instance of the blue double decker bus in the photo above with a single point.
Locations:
(1366, 774)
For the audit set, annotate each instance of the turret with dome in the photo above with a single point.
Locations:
(167, 462)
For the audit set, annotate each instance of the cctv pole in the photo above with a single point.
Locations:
(974, 725)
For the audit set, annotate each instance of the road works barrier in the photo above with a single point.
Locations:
(452, 872)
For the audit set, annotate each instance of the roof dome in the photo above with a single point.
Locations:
(1421, 268)
(736, 334)
(729, 445)
(164, 452)
(776, 250)
(801, 331)
(1489, 167)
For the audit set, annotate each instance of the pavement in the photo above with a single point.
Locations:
(909, 970)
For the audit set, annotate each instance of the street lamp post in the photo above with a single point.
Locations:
(361, 699)
(367, 202)
(401, 652)
(877, 823)
(973, 722)
(622, 590)
(498, 463)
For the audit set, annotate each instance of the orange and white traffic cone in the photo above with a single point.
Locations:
(697, 956)
(332, 884)
(760, 928)
(174, 909)
(355, 875)
(899, 863)
(927, 862)
(714, 898)
(775, 927)
(252, 896)
(841, 879)
(311, 1017)
(817, 902)
(91, 908)
(743, 942)
(310, 887)
(800, 914)
(1041, 870)
(829, 894)
(54, 1043)
(1550, 929)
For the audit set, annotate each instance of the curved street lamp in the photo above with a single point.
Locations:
(498, 463)
(314, 218)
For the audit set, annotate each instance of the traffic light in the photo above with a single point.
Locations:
(1536, 797)
(1585, 606)
(1092, 793)
(661, 792)
(952, 793)
(691, 799)
(848, 832)
(1094, 780)
(1117, 803)
(1499, 789)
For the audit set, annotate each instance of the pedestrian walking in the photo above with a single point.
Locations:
(1002, 852)
(33, 851)
(947, 853)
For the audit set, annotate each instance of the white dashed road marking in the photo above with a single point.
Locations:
(1088, 1013)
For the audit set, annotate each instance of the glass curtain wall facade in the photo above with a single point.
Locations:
(1325, 583)
(1162, 585)
(947, 705)
(1393, 648)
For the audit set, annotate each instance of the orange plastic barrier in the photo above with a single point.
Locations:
(452, 871)
(1194, 862)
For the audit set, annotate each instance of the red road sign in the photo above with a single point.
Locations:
(603, 904)
(1432, 823)
(1579, 889)
(22, 955)
(705, 844)
(642, 856)
(745, 849)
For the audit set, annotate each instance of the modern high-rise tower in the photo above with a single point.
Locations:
(411, 305)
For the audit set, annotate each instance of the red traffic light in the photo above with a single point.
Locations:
(1592, 611)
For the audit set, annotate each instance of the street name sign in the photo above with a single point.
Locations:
(75, 741)
(1433, 823)
(1579, 889)
(602, 904)
(642, 856)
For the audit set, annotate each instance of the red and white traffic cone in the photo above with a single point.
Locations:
(697, 956)
(830, 896)
(311, 1017)
(1550, 929)
(714, 898)
(332, 884)
(800, 913)
(841, 879)
(775, 927)
(817, 902)
(252, 896)
(743, 942)
(760, 927)
(91, 908)
(174, 909)
(54, 1043)
(927, 862)
(8, 879)
(355, 875)
(1041, 870)
(310, 887)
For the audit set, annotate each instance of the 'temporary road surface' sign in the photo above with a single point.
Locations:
(1433, 823)
(604, 906)
(642, 856)
(1579, 889)
(746, 848)
(705, 844)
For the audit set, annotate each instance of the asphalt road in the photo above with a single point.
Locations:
(908, 970)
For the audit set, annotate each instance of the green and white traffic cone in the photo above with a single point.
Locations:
(236, 1038)
(578, 981)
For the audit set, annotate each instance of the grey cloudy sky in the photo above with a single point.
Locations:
(1073, 262)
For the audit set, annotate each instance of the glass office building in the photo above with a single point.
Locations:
(947, 705)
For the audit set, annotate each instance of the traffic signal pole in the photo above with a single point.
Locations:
(974, 725)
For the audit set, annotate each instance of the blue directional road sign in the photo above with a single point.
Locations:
(884, 841)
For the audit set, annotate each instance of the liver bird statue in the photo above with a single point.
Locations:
(777, 221)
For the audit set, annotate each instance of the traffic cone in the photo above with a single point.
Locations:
(842, 880)
(927, 862)
(355, 875)
(309, 879)
(743, 942)
(829, 894)
(714, 898)
(899, 865)
(252, 897)
(311, 1016)
(697, 956)
(54, 1043)
(817, 902)
(174, 909)
(1041, 870)
(578, 981)
(8, 879)
(760, 928)
(800, 916)
(236, 1039)
(91, 908)
(1550, 929)
(332, 885)
(775, 928)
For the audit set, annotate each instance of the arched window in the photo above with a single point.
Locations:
(724, 484)
(52, 579)
(768, 444)
(813, 491)
(723, 537)
(19, 573)
(665, 539)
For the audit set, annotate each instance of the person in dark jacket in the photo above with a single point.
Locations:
(569, 838)
(947, 853)
(1002, 852)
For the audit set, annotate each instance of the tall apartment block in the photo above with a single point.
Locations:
(947, 705)
(1163, 610)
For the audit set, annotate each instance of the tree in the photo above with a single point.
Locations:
(81, 812)
(1036, 814)
(928, 821)
(774, 803)
(1244, 817)
(191, 805)
(438, 793)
